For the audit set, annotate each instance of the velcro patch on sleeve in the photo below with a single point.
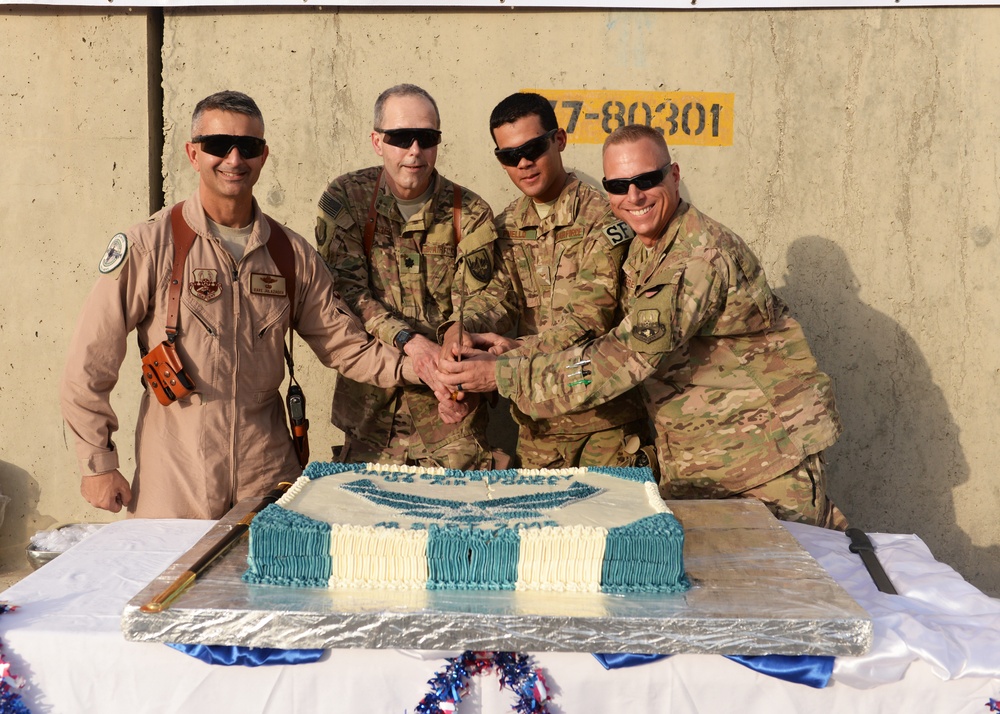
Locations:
(115, 253)
(619, 233)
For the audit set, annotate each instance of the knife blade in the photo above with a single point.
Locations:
(862, 545)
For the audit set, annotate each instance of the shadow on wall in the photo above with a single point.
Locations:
(21, 519)
(896, 465)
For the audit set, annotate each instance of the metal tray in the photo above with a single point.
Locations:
(755, 591)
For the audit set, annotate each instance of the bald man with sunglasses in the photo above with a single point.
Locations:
(740, 407)
(211, 432)
(412, 253)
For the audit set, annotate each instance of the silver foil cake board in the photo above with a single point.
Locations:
(754, 591)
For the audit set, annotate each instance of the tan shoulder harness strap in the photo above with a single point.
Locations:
(183, 238)
(281, 252)
(278, 246)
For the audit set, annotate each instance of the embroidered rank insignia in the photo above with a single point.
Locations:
(264, 284)
(619, 233)
(647, 327)
(115, 253)
(205, 284)
(479, 264)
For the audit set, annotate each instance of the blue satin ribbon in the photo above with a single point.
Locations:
(247, 656)
(811, 670)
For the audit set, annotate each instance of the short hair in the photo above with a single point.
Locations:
(402, 90)
(520, 105)
(227, 101)
(631, 133)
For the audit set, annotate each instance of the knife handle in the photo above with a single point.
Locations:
(859, 540)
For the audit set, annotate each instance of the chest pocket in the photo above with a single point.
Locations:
(526, 260)
(439, 254)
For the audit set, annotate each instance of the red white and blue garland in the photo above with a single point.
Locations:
(10, 684)
(516, 673)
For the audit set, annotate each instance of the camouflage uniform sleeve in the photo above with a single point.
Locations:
(336, 335)
(340, 241)
(594, 294)
(490, 304)
(664, 317)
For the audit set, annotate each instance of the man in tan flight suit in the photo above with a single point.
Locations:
(226, 440)
(412, 253)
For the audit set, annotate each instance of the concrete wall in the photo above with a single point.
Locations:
(862, 171)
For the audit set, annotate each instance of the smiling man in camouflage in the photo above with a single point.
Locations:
(567, 250)
(409, 251)
(739, 404)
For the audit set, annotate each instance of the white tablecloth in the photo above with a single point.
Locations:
(936, 649)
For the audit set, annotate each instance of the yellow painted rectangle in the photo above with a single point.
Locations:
(688, 118)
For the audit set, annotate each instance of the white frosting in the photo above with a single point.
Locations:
(378, 558)
(561, 559)
(379, 535)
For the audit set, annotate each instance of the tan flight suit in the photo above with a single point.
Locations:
(228, 440)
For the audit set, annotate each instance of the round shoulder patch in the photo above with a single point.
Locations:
(115, 253)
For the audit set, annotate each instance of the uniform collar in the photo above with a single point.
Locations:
(194, 213)
(563, 212)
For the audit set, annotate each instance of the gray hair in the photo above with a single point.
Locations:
(402, 90)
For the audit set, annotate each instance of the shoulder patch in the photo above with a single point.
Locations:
(619, 233)
(330, 206)
(480, 265)
(647, 326)
(115, 253)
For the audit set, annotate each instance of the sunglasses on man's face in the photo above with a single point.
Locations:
(529, 150)
(404, 138)
(643, 182)
(250, 147)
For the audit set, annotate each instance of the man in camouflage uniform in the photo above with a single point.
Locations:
(567, 250)
(389, 236)
(739, 404)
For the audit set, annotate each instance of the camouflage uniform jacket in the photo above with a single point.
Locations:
(566, 273)
(734, 392)
(409, 282)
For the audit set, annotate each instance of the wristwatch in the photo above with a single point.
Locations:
(401, 338)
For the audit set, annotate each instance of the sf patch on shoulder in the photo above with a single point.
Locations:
(115, 254)
(619, 233)
(647, 326)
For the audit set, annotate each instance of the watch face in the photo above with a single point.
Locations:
(402, 337)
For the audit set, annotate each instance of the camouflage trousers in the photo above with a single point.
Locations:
(563, 451)
(406, 448)
(799, 495)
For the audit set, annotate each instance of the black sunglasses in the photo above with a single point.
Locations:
(250, 147)
(404, 138)
(529, 150)
(643, 182)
